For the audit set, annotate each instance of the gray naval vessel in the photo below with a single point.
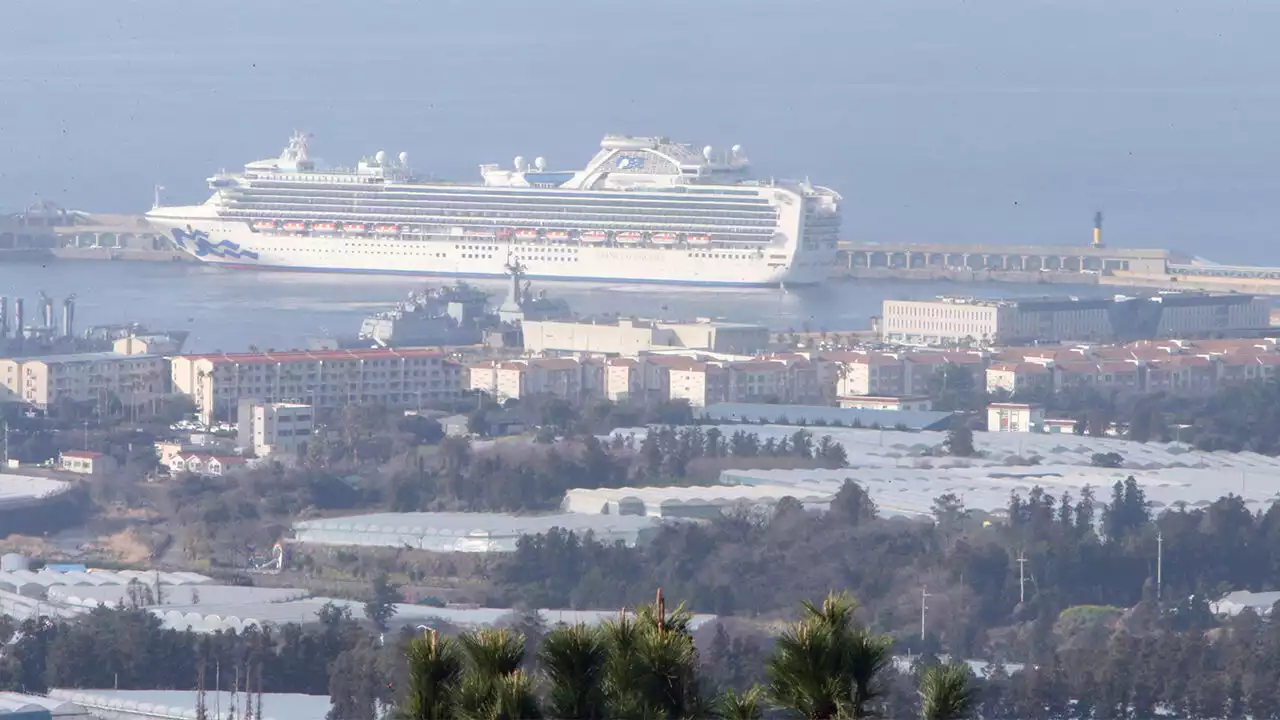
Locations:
(454, 314)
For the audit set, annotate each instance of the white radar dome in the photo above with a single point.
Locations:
(519, 163)
(380, 157)
(706, 152)
(540, 163)
(737, 151)
(404, 158)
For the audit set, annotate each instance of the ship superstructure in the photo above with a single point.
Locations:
(642, 210)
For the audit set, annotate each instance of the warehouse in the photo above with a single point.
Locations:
(465, 532)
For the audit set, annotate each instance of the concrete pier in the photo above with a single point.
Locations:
(46, 231)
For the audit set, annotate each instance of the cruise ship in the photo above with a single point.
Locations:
(642, 210)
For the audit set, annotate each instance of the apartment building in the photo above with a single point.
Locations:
(1019, 377)
(394, 377)
(858, 373)
(99, 378)
(781, 379)
(569, 378)
(274, 428)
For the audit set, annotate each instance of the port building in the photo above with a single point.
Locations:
(954, 320)
(403, 378)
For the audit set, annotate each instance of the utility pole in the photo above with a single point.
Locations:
(6, 446)
(1159, 563)
(924, 608)
(1022, 577)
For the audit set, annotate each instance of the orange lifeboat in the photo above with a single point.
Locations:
(699, 240)
(664, 238)
(324, 226)
(264, 224)
(629, 238)
(295, 225)
(594, 236)
(527, 233)
(387, 229)
(557, 234)
(357, 228)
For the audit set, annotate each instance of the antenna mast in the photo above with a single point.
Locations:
(924, 608)
(1159, 563)
(1022, 577)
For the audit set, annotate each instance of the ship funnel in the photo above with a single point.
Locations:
(1097, 229)
(18, 321)
(46, 311)
(69, 316)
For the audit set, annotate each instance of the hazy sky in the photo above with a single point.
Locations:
(1000, 120)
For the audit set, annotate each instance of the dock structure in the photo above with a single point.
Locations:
(1026, 258)
(45, 227)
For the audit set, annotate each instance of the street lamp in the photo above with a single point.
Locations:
(429, 632)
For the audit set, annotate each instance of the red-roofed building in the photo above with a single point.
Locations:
(205, 464)
(86, 462)
(394, 377)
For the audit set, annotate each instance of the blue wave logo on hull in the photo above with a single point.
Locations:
(226, 249)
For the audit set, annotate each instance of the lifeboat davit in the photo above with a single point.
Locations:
(527, 233)
(594, 236)
(324, 226)
(358, 228)
(295, 225)
(264, 224)
(699, 240)
(557, 234)
(629, 238)
(664, 238)
(387, 229)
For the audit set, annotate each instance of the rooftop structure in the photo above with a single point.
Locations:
(704, 502)
(38, 583)
(812, 415)
(21, 706)
(181, 704)
(20, 491)
(463, 532)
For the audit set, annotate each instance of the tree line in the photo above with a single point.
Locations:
(825, 666)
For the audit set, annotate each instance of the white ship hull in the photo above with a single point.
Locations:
(234, 244)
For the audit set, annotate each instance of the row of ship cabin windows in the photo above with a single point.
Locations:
(515, 205)
(740, 225)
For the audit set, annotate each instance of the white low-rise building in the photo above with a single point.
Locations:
(269, 428)
(1015, 417)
